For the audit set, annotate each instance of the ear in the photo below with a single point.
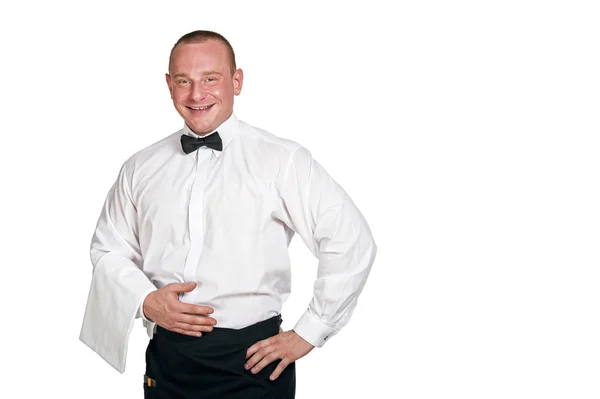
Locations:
(168, 78)
(238, 81)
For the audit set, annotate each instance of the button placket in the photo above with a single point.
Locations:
(196, 221)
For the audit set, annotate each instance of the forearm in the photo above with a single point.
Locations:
(340, 280)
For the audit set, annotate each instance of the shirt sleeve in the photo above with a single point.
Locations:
(140, 313)
(118, 285)
(314, 206)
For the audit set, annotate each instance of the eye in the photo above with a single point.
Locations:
(210, 79)
(182, 81)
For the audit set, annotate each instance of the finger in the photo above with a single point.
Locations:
(271, 357)
(257, 346)
(192, 327)
(279, 369)
(185, 332)
(194, 309)
(199, 320)
(259, 356)
(180, 287)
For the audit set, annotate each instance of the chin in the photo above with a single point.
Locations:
(201, 128)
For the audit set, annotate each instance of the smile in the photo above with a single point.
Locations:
(200, 108)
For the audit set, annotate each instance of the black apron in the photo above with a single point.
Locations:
(212, 366)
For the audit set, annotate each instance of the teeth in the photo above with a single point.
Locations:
(198, 109)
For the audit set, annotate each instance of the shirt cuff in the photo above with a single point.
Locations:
(140, 313)
(313, 330)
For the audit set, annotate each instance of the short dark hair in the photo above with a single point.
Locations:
(201, 36)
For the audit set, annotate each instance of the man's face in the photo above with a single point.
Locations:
(201, 84)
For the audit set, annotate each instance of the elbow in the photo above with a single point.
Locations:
(95, 256)
(373, 251)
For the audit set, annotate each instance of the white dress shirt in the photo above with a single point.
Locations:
(223, 219)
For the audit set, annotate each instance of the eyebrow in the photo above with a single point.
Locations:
(183, 75)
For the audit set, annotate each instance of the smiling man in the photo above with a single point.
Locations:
(203, 80)
(193, 238)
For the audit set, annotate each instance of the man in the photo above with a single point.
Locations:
(193, 239)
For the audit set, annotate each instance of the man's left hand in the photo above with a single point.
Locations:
(287, 346)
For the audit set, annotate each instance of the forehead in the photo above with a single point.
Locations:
(198, 57)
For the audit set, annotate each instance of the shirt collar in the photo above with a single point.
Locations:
(226, 130)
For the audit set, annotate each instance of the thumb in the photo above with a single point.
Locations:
(182, 287)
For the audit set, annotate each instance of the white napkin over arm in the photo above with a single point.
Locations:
(118, 284)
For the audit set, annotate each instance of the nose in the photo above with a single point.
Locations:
(198, 93)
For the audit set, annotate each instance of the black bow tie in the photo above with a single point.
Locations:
(191, 144)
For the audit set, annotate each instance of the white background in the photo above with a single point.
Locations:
(465, 131)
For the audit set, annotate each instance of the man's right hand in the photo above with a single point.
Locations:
(164, 308)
